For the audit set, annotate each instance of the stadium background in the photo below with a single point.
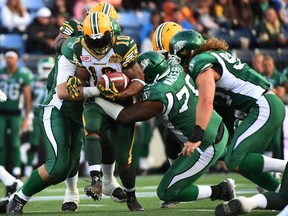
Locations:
(133, 16)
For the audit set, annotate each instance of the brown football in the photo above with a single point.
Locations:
(120, 80)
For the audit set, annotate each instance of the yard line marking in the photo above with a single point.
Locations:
(138, 194)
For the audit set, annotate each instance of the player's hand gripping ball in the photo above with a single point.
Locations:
(110, 84)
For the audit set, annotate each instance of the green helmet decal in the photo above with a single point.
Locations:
(185, 40)
(115, 26)
(154, 66)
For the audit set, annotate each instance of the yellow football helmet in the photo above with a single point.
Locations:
(98, 32)
(162, 35)
(105, 8)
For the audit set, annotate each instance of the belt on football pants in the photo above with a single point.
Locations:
(220, 133)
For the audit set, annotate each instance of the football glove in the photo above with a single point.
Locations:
(111, 93)
(3, 96)
(72, 87)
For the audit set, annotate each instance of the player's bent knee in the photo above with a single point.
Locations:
(92, 135)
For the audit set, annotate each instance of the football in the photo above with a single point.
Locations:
(120, 80)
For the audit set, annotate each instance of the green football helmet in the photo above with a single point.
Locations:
(184, 42)
(154, 65)
(44, 66)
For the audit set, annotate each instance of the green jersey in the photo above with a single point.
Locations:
(179, 96)
(122, 55)
(239, 85)
(70, 109)
(12, 85)
(71, 28)
(39, 93)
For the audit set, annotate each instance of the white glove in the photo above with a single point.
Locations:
(3, 96)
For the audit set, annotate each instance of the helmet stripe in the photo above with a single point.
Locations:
(159, 38)
(107, 9)
(94, 23)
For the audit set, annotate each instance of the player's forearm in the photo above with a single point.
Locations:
(133, 89)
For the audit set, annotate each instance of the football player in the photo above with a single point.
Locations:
(39, 92)
(171, 96)
(99, 51)
(110, 185)
(62, 129)
(217, 73)
(15, 83)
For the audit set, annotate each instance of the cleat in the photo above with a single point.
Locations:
(239, 205)
(69, 206)
(15, 206)
(227, 190)
(112, 188)
(71, 200)
(169, 204)
(118, 195)
(3, 206)
(14, 187)
(95, 189)
(134, 205)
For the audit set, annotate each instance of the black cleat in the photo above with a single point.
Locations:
(134, 205)
(13, 188)
(226, 190)
(3, 206)
(15, 206)
(95, 189)
(118, 195)
(69, 206)
(169, 204)
(231, 208)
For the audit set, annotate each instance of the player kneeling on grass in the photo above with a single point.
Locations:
(171, 96)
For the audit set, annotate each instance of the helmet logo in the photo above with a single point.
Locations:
(179, 45)
(96, 36)
(144, 63)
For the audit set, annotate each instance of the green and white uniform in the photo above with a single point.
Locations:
(246, 90)
(10, 111)
(39, 93)
(122, 55)
(179, 96)
(277, 79)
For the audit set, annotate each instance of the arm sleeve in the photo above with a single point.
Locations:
(65, 69)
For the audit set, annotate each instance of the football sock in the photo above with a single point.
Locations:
(284, 181)
(275, 201)
(264, 180)
(34, 184)
(108, 171)
(273, 164)
(71, 183)
(6, 177)
(204, 192)
(93, 152)
(252, 162)
(127, 176)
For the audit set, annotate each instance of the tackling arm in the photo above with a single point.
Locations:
(137, 82)
(137, 112)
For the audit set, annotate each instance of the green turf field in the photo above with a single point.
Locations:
(49, 201)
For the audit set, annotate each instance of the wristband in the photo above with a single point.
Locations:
(197, 134)
(90, 92)
(139, 80)
(111, 109)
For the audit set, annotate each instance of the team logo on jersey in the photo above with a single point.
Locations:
(145, 95)
(115, 58)
(86, 58)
